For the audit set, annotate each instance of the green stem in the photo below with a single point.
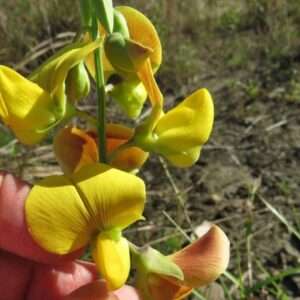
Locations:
(101, 94)
(135, 254)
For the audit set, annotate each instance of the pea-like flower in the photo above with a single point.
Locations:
(202, 262)
(25, 107)
(135, 58)
(31, 107)
(75, 148)
(93, 206)
(179, 134)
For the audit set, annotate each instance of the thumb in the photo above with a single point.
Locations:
(98, 290)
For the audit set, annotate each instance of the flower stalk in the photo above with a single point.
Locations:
(90, 23)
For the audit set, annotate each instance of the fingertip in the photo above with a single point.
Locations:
(127, 292)
(60, 281)
(96, 290)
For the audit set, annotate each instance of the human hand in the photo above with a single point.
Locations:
(28, 272)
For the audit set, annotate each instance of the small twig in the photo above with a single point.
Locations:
(280, 217)
(276, 125)
(178, 195)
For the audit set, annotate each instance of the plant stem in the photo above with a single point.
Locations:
(101, 94)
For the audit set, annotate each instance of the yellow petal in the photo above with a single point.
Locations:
(74, 149)
(184, 159)
(111, 255)
(205, 260)
(25, 107)
(56, 216)
(52, 74)
(142, 31)
(187, 125)
(113, 198)
(146, 76)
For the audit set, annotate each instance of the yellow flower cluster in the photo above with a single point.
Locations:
(92, 203)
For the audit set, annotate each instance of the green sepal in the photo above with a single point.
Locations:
(105, 12)
(149, 260)
(85, 11)
(120, 24)
(125, 55)
(77, 83)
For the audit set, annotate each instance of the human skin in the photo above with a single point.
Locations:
(27, 272)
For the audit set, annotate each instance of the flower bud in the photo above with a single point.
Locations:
(120, 24)
(126, 56)
(131, 96)
(77, 83)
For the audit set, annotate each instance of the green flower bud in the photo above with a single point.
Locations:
(77, 83)
(125, 55)
(120, 24)
(131, 96)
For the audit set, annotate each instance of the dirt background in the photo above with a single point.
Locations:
(247, 53)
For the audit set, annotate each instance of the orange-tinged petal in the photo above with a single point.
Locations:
(146, 76)
(96, 290)
(74, 148)
(163, 288)
(204, 260)
(129, 159)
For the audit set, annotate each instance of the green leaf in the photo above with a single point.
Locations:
(105, 13)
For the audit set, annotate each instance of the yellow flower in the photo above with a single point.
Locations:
(139, 57)
(25, 107)
(75, 148)
(31, 107)
(180, 133)
(202, 262)
(93, 205)
(52, 76)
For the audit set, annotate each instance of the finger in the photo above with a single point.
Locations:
(50, 283)
(14, 235)
(15, 273)
(96, 290)
(127, 293)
